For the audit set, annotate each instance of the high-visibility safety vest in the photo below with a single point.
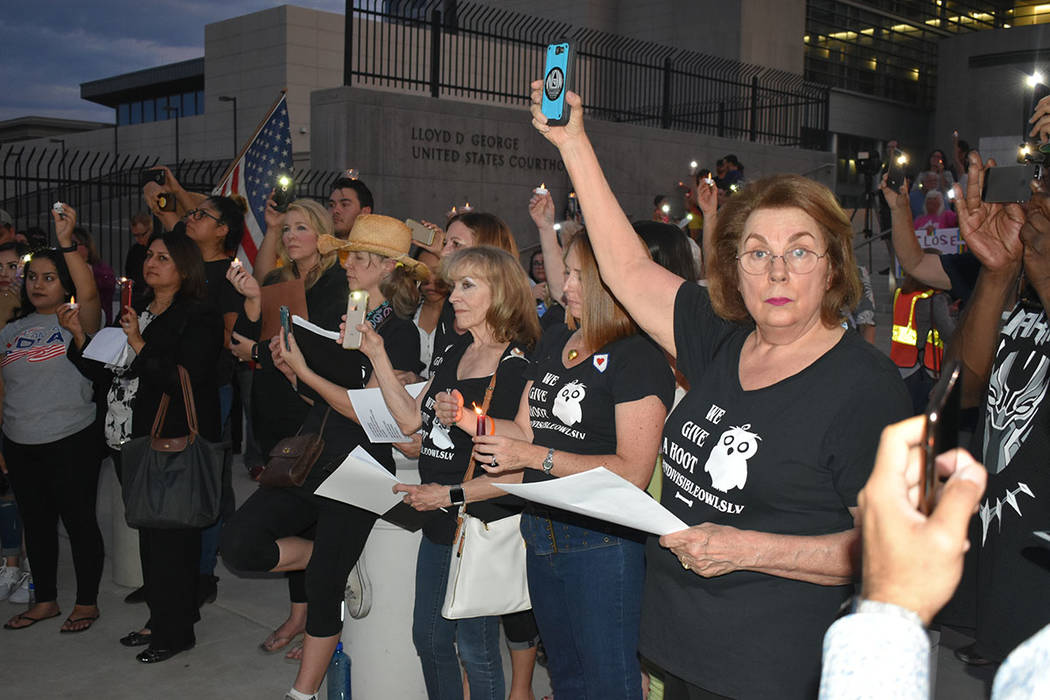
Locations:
(904, 347)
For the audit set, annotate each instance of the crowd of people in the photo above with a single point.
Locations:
(725, 365)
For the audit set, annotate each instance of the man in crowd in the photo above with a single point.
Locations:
(350, 197)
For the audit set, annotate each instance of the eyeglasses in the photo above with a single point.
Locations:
(797, 260)
(199, 214)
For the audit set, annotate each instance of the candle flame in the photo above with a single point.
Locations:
(123, 280)
(72, 300)
(477, 409)
(543, 185)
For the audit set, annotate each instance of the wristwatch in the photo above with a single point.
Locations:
(455, 495)
(255, 352)
(68, 249)
(548, 462)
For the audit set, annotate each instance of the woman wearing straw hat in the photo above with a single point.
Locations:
(287, 529)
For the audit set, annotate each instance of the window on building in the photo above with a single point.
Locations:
(136, 112)
(123, 114)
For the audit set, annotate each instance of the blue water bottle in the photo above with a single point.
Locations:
(338, 678)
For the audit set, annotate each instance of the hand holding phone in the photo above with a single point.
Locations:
(420, 233)
(356, 308)
(286, 324)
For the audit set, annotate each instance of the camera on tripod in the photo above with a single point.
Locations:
(869, 163)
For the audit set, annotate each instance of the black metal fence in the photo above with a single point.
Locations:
(476, 52)
(104, 189)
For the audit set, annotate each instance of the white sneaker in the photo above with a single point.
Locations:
(358, 593)
(20, 593)
(9, 577)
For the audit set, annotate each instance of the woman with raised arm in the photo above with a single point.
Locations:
(291, 529)
(597, 394)
(51, 451)
(493, 304)
(766, 453)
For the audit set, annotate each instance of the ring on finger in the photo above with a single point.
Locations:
(494, 463)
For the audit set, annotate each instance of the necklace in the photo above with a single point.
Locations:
(573, 355)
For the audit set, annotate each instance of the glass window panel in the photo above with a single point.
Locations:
(123, 114)
(136, 112)
(200, 102)
(149, 114)
(188, 107)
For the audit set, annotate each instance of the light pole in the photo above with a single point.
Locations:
(227, 98)
(169, 110)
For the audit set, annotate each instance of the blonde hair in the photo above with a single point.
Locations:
(321, 222)
(512, 310)
(603, 320)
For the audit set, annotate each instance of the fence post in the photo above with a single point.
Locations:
(435, 53)
(665, 112)
(754, 107)
(348, 50)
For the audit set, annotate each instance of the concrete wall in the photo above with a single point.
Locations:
(985, 101)
(873, 117)
(421, 156)
(738, 30)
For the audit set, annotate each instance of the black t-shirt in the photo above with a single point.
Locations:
(574, 409)
(1014, 445)
(441, 464)
(224, 297)
(786, 459)
(341, 435)
(445, 334)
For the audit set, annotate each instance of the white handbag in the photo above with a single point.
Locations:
(486, 573)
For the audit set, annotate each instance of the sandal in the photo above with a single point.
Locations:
(32, 620)
(275, 643)
(66, 626)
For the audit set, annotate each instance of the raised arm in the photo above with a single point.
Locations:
(992, 232)
(83, 278)
(541, 209)
(333, 394)
(646, 290)
(266, 257)
(923, 266)
(404, 408)
(707, 200)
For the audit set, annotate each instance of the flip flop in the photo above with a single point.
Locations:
(90, 619)
(275, 643)
(32, 621)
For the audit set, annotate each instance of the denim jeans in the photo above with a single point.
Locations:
(436, 639)
(586, 590)
(10, 529)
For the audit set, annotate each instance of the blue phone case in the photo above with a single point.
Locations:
(557, 80)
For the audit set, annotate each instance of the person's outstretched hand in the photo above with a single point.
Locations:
(558, 135)
(909, 559)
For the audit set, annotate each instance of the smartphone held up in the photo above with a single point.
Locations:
(557, 81)
(356, 309)
(940, 432)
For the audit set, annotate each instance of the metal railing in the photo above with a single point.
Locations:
(104, 189)
(490, 54)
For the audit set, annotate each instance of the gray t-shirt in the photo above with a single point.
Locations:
(45, 397)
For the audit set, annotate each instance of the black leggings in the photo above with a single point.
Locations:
(339, 532)
(59, 480)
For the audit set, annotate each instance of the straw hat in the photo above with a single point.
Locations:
(382, 235)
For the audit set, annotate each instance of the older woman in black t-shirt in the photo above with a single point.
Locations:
(597, 394)
(493, 304)
(766, 453)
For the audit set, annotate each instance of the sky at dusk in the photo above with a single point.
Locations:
(49, 47)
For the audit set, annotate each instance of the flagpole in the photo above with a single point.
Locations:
(249, 142)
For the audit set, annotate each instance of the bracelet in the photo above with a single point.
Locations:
(255, 352)
(69, 249)
(455, 495)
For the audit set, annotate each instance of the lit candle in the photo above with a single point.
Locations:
(126, 286)
(236, 262)
(467, 207)
(73, 303)
(710, 181)
(481, 420)
(541, 190)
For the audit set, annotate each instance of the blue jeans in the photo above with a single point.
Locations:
(586, 590)
(10, 529)
(437, 639)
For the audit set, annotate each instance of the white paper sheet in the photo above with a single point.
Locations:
(602, 494)
(361, 481)
(314, 328)
(108, 346)
(375, 417)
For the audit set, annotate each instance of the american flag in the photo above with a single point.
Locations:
(255, 173)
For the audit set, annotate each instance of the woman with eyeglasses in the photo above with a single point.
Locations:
(216, 226)
(765, 455)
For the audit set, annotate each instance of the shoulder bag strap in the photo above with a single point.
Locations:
(187, 399)
(485, 411)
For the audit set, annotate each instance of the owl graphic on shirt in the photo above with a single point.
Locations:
(567, 401)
